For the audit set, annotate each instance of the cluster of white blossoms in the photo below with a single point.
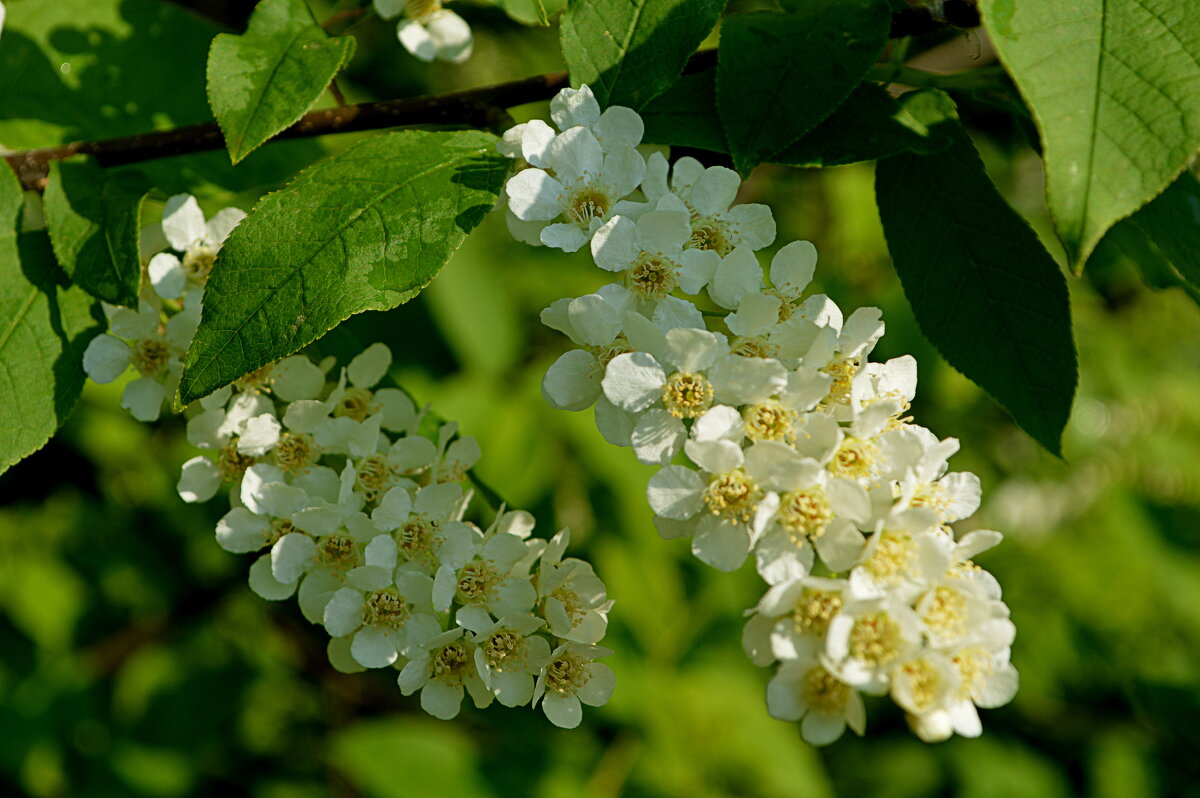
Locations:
(777, 439)
(361, 517)
(153, 339)
(429, 31)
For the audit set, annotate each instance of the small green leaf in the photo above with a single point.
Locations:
(778, 75)
(364, 230)
(1113, 86)
(94, 226)
(45, 324)
(261, 82)
(630, 51)
(984, 290)
(533, 12)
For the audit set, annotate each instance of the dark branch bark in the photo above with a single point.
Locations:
(482, 107)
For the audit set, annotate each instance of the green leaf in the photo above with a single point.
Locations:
(93, 221)
(533, 12)
(1113, 86)
(983, 288)
(630, 51)
(437, 758)
(261, 82)
(45, 324)
(870, 125)
(364, 230)
(778, 75)
(685, 115)
(1170, 227)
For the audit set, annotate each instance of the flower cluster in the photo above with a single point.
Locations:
(153, 338)
(361, 517)
(775, 435)
(428, 31)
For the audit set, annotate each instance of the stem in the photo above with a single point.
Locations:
(977, 79)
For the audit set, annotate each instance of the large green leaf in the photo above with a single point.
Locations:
(364, 230)
(778, 75)
(984, 290)
(1114, 86)
(630, 51)
(264, 80)
(1170, 227)
(685, 115)
(94, 227)
(45, 324)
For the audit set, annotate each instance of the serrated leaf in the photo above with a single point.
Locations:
(778, 75)
(630, 51)
(1113, 87)
(984, 290)
(94, 226)
(45, 324)
(261, 82)
(364, 230)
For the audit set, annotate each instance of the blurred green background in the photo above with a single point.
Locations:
(134, 661)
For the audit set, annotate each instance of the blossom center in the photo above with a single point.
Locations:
(566, 674)
(821, 690)
(375, 475)
(946, 613)
(923, 681)
(451, 662)
(503, 647)
(804, 514)
(355, 403)
(386, 608)
(754, 346)
(875, 639)
(975, 665)
(475, 581)
(233, 464)
(416, 539)
(295, 452)
(586, 204)
(278, 528)
(733, 495)
(652, 276)
(894, 557)
(842, 372)
(150, 356)
(770, 421)
(855, 459)
(605, 354)
(336, 551)
(814, 610)
(709, 233)
(255, 380)
(687, 395)
(421, 9)
(198, 262)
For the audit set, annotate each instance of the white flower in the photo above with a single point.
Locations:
(709, 194)
(440, 669)
(594, 322)
(427, 530)
(573, 599)
(196, 240)
(585, 191)
(650, 253)
(429, 31)
(508, 655)
(805, 690)
(616, 127)
(383, 619)
(492, 578)
(868, 639)
(728, 509)
(153, 348)
(570, 679)
(792, 619)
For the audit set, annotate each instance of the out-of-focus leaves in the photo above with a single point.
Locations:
(435, 758)
(264, 80)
